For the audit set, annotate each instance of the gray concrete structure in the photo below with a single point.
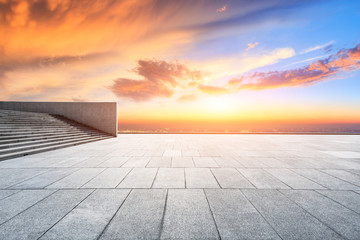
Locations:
(166, 186)
(24, 133)
(99, 115)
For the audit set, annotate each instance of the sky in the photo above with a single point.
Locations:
(188, 61)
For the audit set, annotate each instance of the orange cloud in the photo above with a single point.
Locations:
(345, 60)
(140, 90)
(37, 36)
(188, 98)
(213, 90)
(251, 45)
(160, 78)
(223, 9)
(53, 28)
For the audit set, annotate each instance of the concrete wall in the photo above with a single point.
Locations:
(99, 115)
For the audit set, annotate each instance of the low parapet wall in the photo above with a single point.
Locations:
(99, 115)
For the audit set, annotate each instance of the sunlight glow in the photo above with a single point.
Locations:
(219, 104)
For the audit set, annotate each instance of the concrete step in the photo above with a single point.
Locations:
(23, 133)
(39, 124)
(42, 134)
(32, 132)
(50, 125)
(30, 121)
(45, 149)
(41, 131)
(45, 137)
(25, 118)
(4, 145)
(37, 145)
(35, 124)
(14, 130)
(9, 128)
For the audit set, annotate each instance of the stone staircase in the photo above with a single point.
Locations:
(24, 133)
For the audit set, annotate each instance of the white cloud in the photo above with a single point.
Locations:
(317, 47)
(273, 57)
(224, 67)
(307, 60)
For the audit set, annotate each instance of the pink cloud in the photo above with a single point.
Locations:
(140, 90)
(251, 45)
(345, 60)
(213, 90)
(159, 79)
(188, 98)
(223, 9)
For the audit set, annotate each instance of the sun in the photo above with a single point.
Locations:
(218, 103)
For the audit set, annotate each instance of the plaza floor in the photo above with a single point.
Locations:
(186, 186)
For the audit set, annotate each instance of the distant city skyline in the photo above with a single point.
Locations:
(184, 63)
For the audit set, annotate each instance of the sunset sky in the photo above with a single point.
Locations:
(233, 61)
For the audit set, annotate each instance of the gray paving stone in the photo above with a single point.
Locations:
(200, 178)
(294, 180)
(109, 178)
(154, 153)
(31, 163)
(35, 221)
(136, 162)
(344, 175)
(348, 164)
(47, 162)
(7, 193)
(247, 153)
(204, 162)
(272, 162)
(118, 153)
(348, 199)
(235, 216)
(90, 217)
(11, 177)
(188, 216)
(139, 178)
(334, 215)
(114, 162)
(209, 153)
(77, 179)
(20, 162)
(69, 161)
(251, 162)
(227, 162)
(156, 162)
(262, 179)
(16, 203)
(344, 154)
(90, 152)
(356, 171)
(136, 153)
(263, 152)
(91, 162)
(182, 162)
(231, 178)
(45, 179)
(139, 217)
(170, 178)
(296, 162)
(323, 163)
(172, 153)
(190, 153)
(325, 180)
(288, 219)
